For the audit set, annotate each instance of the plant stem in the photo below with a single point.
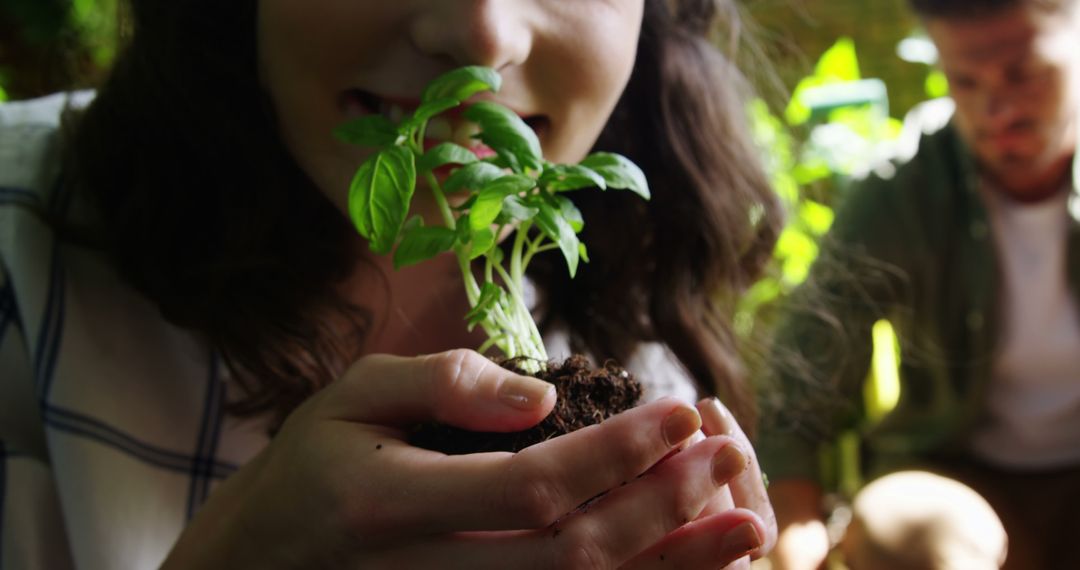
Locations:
(515, 333)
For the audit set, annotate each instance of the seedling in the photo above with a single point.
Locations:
(513, 191)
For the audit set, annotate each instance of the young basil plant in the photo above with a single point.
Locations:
(514, 191)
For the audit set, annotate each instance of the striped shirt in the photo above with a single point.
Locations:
(112, 430)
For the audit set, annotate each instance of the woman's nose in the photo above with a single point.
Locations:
(492, 33)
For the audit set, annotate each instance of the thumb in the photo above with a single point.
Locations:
(460, 388)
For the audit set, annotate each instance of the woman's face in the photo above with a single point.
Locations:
(564, 64)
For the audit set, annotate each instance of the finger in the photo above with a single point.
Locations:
(724, 540)
(722, 500)
(460, 388)
(603, 534)
(527, 490)
(630, 518)
(748, 489)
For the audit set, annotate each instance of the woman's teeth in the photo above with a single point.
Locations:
(463, 134)
(440, 129)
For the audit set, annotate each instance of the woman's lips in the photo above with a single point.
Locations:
(449, 126)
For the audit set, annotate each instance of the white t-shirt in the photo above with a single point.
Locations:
(112, 429)
(1034, 393)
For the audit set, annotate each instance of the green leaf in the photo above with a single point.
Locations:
(557, 229)
(583, 252)
(619, 172)
(563, 177)
(411, 223)
(443, 154)
(498, 161)
(425, 112)
(490, 295)
(380, 194)
(505, 133)
(490, 201)
(571, 213)
(369, 130)
(472, 176)
(428, 110)
(462, 83)
(514, 208)
(422, 243)
(482, 241)
(466, 205)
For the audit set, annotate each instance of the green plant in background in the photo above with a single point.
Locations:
(844, 128)
(836, 129)
(95, 23)
(54, 45)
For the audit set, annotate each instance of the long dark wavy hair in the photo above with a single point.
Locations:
(204, 211)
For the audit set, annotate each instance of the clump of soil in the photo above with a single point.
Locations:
(586, 396)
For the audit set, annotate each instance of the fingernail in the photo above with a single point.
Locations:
(727, 463)
(715, 418)
(680, 424)
(524, 393)
(740, 541)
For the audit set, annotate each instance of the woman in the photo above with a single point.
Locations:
(201, 215)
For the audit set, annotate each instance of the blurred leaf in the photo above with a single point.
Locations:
(816, 217)
(798, 252)
(937, 85)
(839, 62)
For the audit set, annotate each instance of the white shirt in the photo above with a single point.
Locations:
(112, 429)
(1034, 393)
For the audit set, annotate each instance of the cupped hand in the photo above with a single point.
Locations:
(339, 486)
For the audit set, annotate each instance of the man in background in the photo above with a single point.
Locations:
(972, 251)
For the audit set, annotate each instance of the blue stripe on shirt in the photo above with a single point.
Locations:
(75, 423)
(45, 355)
(206, 447)
(19, 196)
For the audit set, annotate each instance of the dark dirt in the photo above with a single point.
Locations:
(586, 396)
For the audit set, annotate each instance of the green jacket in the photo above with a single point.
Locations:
(917, 249)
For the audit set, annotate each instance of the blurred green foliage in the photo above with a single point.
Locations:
(51, 45)
(836, 128)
